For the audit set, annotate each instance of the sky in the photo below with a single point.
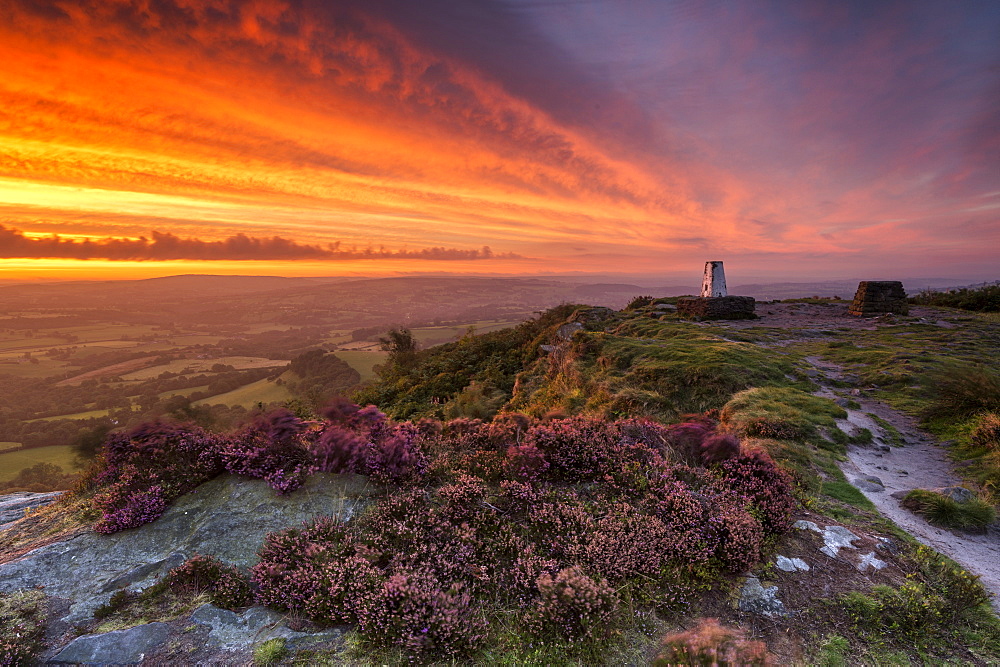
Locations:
(792, 140)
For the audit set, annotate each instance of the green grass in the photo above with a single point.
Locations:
(783, 409)
(270, 652)
(363, 361)
(12, 463)
(649, 367)
(263, 391)
(89, 414)
(847, 493)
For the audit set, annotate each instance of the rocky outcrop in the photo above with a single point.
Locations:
(121, 647)
(13, 505)
(227, 517)
(879, 297)
(717, 307)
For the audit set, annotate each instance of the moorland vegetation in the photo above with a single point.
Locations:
(553, 496)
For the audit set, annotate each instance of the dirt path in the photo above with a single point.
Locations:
(920, 463)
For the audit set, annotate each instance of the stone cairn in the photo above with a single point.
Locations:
(879, 297)
(715, 303)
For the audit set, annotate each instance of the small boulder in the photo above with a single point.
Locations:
(869, 483)
(117, 647)
(755, 598)
(869, 560)
(959, 494)
(791, 564)
(836, 538)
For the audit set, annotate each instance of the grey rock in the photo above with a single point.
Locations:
(566, 331)
(842, 402)
(791, 564)
(755, 598)
(13, 505)
(959, 494)
(141, 576)
(231, 631)
(836, 538)
(899, 495)
(806, 525)
(549, 349)
(119, 647)
(869, 483)
(887, 545)
(883, 448)
(227, 517)
(869, 560)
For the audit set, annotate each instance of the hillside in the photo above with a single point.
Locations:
(584, 488)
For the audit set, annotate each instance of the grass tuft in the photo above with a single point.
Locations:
(270, 652)
(940, 510)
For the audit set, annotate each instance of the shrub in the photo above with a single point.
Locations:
(526, 462)
(143, 471)
(639, 302)
(396, 456)
(226, 586)
(415, 612)
(763, 487)
(710, 644)
(340, 450)
(311, 570)
(274, 448)
(626, 543)
(777, 429)
(975, 514)
(22, 627)
(740, 536)
(960, 591)
(698, 442)
(910, 611)
(987, 432)
(686, 514)
(573, 605)
(577, 449)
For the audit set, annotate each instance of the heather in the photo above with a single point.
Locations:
(553, 526)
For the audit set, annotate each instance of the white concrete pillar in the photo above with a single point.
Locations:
(714, 282)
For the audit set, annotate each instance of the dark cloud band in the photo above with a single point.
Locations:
(164, 246)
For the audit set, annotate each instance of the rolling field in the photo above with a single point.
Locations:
(263, 391)
(89, 414)
(363, 361)
(185, 366)
(436, 335)
(12, 463)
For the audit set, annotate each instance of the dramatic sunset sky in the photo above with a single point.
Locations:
(791, 139)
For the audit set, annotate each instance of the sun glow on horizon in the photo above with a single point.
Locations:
(320, 126)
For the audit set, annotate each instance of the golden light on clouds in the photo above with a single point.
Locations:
(206, 120)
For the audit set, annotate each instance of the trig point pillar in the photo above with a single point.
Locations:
(714, 282)
(715, 302)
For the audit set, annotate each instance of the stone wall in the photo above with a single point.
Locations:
(879, 297)
(717, 307)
